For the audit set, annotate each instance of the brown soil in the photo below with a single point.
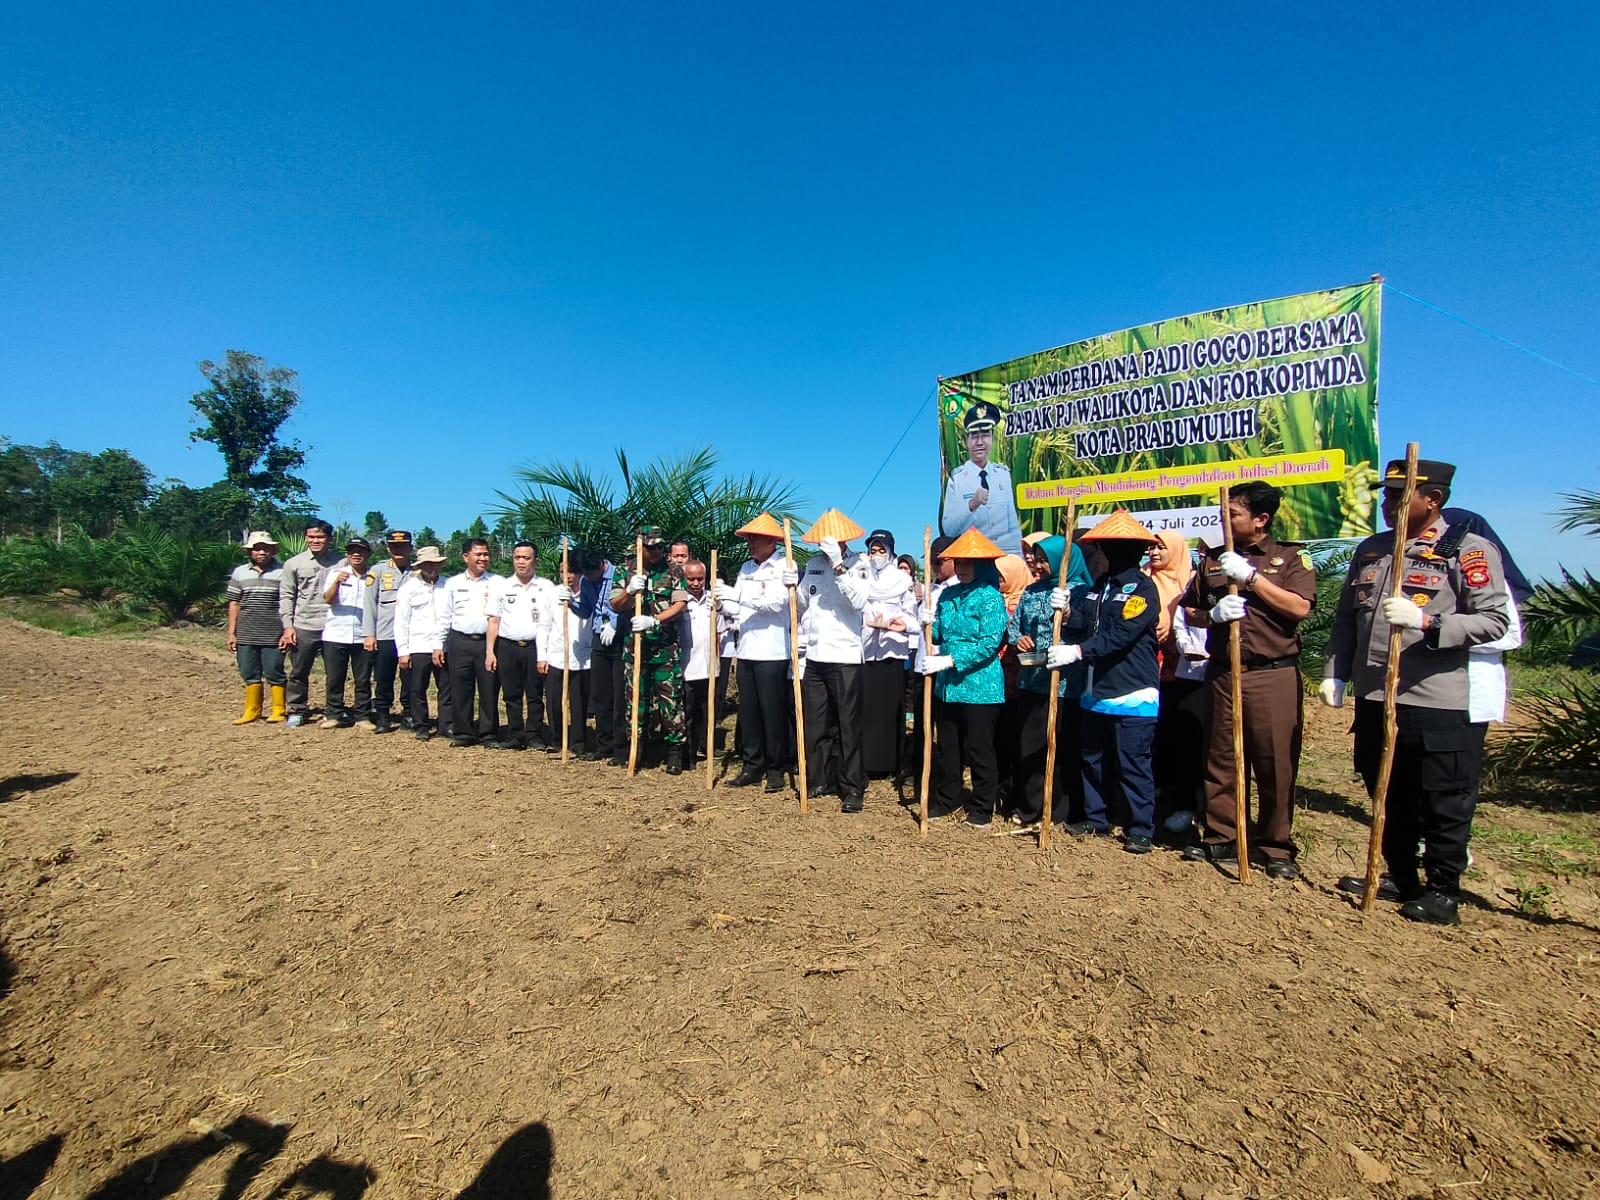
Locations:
(257, 962)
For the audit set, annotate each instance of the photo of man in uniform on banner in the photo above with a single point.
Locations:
(979, 494)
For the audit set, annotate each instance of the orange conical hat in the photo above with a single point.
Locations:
(833, 524)
(762, 526)
(1118, 527)
(972, 544)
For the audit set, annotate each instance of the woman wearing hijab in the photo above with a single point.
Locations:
(1180, 727)
(969, 627)
(886, 648)
(1031, 630)
(1016, 574)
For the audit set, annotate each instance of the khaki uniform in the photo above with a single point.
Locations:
(1269, 691)
(1459, 581)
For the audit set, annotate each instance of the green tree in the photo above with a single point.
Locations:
(375, 525)
(100, 493)
(24, 491)
(427, 537)
(242, 411)
(207, 512)
(685, 496)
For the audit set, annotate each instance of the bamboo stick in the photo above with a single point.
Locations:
(711, 683)
(566, 656)
(794, 667)
(638, 653)
(1241, 809)
(1391, 684)
(927, 681)
(1055, 698)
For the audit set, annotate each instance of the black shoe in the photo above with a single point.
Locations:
(852, 802)
(423, 735)
(821, 792)
(1222, 854)
(1282, 868)
(775, 781)
(509, 743)
(1087, 829)
(408, 724)
(1388, 888)
(748, 777)
(977, 820)
(1432, 908)
(938, 809)
(382, 723)
(618, 760)
(590, 756)
(459, 742)
(674, 764)
(1138, 843)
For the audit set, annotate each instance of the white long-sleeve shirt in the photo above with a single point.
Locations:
(1486, 673)
(694, 639)
(579, 642)
(760, 604)
(831, 607)
(891, 596)
(421, 616)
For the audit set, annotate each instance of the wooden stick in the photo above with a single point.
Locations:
(711, 684)
(638, 653)
(1055, 698)
(794, 667)
(1241, 810)
(566, 656)
(927, 680)
(1391, 684)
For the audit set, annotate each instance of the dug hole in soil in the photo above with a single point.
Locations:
(261, 962)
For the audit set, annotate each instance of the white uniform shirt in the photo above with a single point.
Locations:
(352, 617)
(421, 616)
(579, 639)
(520, 606)
(932, 601)
(996, 520)
(694, 639)
(469, 601)
(1486, 673)
(760, 603)
(891, 596)
(831, 607)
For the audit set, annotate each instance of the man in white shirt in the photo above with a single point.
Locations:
(421, 620)
(349, 634)
(566, 647)
(833, 593)
(979, 494)
(466, 647)
(518, 605)
(759, 602)
(696, 640)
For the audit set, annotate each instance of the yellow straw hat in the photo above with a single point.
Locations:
(833, 524)
(762, 526)
(972, 544)
(1119, 527)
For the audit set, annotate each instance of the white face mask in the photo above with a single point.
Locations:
(878, 561)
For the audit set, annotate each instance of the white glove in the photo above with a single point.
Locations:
(830, 548)
(790, 577)
(563, 593)
(637, 584)
(1060, 600)
(1402, 613)
(608, 634)
(1332, 692)
(1062, 656)
(932, 664)
(926, 614)
(1229, 608)
(1236, 567)
(643, 624)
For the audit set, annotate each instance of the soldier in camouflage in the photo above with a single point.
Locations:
(655, 632)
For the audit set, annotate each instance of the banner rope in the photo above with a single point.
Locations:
(915, 417)
(1544, 358)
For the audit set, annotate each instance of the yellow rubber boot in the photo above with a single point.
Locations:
(252, 704)
(277, 703)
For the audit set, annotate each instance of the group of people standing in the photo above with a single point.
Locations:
(1130, 630)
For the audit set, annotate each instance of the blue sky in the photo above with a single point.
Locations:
(489, 235)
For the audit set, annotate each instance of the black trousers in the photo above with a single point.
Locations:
(464, 658)
(385, 665)
(422, 673)
(608, 692)
(883, 715)
(519, 682)
(694, 712)
(1433, 788)
(338, 660)
(578, 706)
(307, 649)
(964, 737)
(1027, 781)
(763, 713)
(831, 693)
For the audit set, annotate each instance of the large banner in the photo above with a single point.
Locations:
(1156, 418)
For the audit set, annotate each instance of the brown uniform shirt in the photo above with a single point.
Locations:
(1264, 634)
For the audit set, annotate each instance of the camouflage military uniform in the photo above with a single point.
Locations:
(661, 670)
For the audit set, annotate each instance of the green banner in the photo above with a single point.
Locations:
(1157, 418)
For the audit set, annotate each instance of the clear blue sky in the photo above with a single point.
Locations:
(492, 234)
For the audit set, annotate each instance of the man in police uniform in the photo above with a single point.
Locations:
(1453, 597)
(661, 669)
(1277, 588)
(979, 494)
(387, 578)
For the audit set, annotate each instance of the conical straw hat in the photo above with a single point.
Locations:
(762, 526)
(972, 544)
(1118, 527)
(833, 524)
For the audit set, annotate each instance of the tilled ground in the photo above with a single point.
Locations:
(253, 962)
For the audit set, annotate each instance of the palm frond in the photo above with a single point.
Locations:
(1564, 734)
(1580, 513)
(1567, 611)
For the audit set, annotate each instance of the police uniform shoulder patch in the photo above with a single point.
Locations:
(1134, 606)
(1477, 574)
(1127, 588)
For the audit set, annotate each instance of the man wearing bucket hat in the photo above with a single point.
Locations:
(656, 630)
(979, 494)
(387, 578)
(832, 594)
(758, 601)
(421, 623)
(1453, 597)
(1116, 621)
(253, 626)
